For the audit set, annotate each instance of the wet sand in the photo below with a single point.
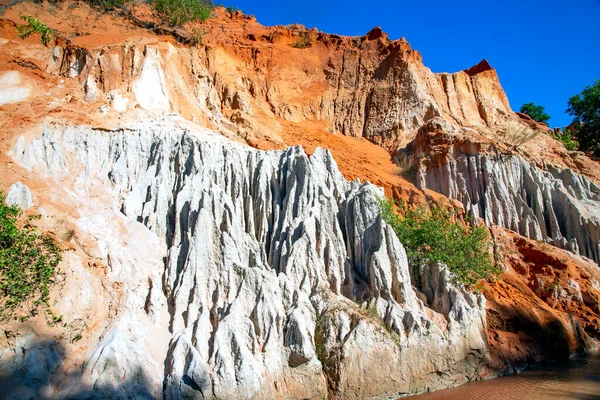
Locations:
(578, 378)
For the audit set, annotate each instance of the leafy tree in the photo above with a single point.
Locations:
(567, 138)
(433, 233)
(538, 113)
(585, 107)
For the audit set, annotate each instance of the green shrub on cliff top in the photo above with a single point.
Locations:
(180, 12)
(433, 233)
(585, 108)
(28, 263)
(537, 113)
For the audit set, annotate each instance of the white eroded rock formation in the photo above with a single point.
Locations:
(552, 204)
(255, 274)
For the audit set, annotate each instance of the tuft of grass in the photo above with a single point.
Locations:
(516, 134)
(76, 338)
(195, 36)
(109, 5)
(28, 262)
(372, 310)
(32, 26)
(433, 233)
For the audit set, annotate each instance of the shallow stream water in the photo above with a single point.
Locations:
(578, 378)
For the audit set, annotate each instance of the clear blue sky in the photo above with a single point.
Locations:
(544, 51)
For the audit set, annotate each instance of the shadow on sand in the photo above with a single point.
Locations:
(35, 371)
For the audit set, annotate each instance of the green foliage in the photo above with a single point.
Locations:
(585, 107)
(538, 113)
(76, 338)
(567, 138)
(433, 233)
(35, 26)
(180, 12)
(195, 36)
(304, 41)
(28, 263)
(108, 5)
(232, 9)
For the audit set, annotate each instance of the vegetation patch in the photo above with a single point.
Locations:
(109, 5)
(567, 138)
(195, 35)
(434, 233)
(180, 12)
(304, 41)
(232, 10)
(32, 26)
(536, 112)
(516, 134)
(28, 262)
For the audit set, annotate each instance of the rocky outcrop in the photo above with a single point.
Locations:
(365, 86)
(279, 276)
(550, 203)
(19, 195)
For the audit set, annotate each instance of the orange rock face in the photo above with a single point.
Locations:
(546, 303)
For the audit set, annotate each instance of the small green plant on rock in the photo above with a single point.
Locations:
(32, 26)
(304, 41)
(566, 138)
(28, 262)
(433, 233)
(516, 134)
(231, 10)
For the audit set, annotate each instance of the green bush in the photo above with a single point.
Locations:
(433, 233)
(304, 41)
(35, 26)
(28, 263)
(195, 36)
(585, 108)
(516, 134)
(537, 113)
(180, 12)
(567, 138)
(231, 10)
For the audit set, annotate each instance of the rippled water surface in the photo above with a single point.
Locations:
(579, 378)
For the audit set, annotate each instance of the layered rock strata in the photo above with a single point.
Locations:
(368, 86)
